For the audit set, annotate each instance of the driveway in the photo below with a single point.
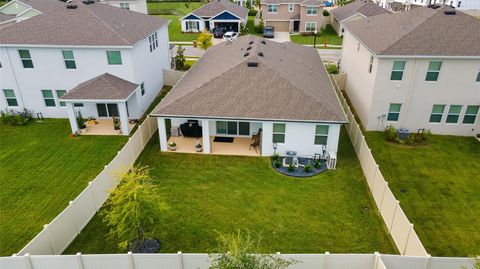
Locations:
(281, 37)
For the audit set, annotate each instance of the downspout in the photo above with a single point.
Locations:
(409, 96)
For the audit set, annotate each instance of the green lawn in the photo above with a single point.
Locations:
(42, 168)
(328, 35)
(173, 11)
(207, 193)
(442, 189)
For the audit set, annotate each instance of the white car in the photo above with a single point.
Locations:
(230, 36)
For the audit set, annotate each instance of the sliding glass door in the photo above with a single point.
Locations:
(233, 128)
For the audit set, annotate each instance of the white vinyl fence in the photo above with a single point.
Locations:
(398, 225)
(58, 234)
(202, 261)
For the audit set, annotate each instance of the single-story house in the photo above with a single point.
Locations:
(277, 93)
(353, 11)
(219, 13)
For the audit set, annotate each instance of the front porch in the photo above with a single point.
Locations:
(239, 146)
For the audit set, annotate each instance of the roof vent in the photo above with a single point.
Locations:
(246, 54)
(249, 47)
(263, 42)
(252, 64)
(71, 6)
(250, 43)
(450, 12)
(260, 54)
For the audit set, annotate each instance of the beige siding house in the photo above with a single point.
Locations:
(293, 15)
(402, 71)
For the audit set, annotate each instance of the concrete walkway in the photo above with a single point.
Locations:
(330, 55)
(190, 51)
(281, 37)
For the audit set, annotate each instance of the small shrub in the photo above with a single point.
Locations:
(259, 28)
(252, 12)
(307, 168)
(409, 140)
(332, 69)
(291, 168)
(81, 121)
(205, 40)
(317, 164)
(275, 157)
(391, 134)
(13, 117)
(307, 33)
(326, 13)
(187, 5)
(277, 163)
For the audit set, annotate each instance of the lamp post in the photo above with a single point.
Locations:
(275, 146)
(314, 38)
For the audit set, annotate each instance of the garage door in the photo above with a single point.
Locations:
(280, 26)
(231, 26)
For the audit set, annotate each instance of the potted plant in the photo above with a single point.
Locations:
(116, 123)
(81, 121)
(198, 147)
(172, 146)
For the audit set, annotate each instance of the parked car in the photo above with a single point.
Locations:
(231, 36)
(269, 32)
(328, 4)
(219, 32)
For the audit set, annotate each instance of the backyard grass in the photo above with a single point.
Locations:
(328, 35)
(441, 189)
(208, 194)
(173, 11)
(42, 168)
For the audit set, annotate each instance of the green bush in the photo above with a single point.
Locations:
(391, 134)
(291, 168)
(13, 117)
(326, 13)
(332, 69)
(409, 140)
(252, 12)
(80, 121)
(307, 168)
(259, 28)
(317, 164)
(277, 163)
(275, 157)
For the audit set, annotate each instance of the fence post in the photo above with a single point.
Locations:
(93, 195)
(428, 262)
(377, 257)
(375, 179)
(79, 260)
(408, 239)
(141, 135)
(50, 243)
(130, 260)
(180, 260)
(397, 205)
(149, 127)
(383, 195)
(325, 261)
(75, 221)
(29, 262)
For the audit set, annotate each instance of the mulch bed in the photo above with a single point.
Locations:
(299, 170)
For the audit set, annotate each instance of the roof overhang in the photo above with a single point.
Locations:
(245, 119)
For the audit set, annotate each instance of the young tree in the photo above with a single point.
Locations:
(236, 252)
(205, 40)
(133, 209)
(180, 59)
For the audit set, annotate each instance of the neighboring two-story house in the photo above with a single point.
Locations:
(94, 58)
(415, 69)
(403, 5)
(133, 5)
(293, 15)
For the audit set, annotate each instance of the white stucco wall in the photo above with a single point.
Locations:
(49, 72)
(137, 6)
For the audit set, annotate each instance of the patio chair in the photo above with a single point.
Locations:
(255, 142)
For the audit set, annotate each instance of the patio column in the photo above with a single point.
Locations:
(206, 136)
(162, 132)
(72, 117)
(122, 110)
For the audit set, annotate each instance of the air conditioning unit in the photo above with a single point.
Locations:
(331, 160)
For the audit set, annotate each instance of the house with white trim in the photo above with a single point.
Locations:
(218, 13)
(408, 70)
(133, 5)
(279, 92)
(353, 11)
(404, 5)
(94, 58)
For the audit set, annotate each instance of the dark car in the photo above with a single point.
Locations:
(269, 32)
(219, 31)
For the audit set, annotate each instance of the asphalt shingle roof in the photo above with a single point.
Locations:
(289, 83)
(43, 5)
(103, 87)
(420, 31)
(364, 7)
(302, 2)
(215, 7)
(88, 25)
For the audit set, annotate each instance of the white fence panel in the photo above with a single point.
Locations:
(403, 262)
(110, 261)
(379, 186)
(414, 246)
(450, 263)
(157, 261)
(57, 262)
(84, 207)
(389, 208)
(306, 260)
(63, 230)
(350, 261)
(195, 261)
(380, 264)
(18, 262)
(401, 229)
(39, 245)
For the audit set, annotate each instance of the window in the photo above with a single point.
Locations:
(310, 26)
(69, 59)
(142, 88)
(291, 7)
(470, 114)
(192, 25)
(394, 112)
(437, 113)
(312, 11)
(10, 96)
(61, 93)
(321, 134)
(114, 57)
(48, 98)
(478, 76)
(153, 41)
(233, 127)
(278, 133)
(26, 58)
(454, 113)
(433, 70)
(272, 8)
(397, 70)
(125, 6)
(78, 104)
(370, 64)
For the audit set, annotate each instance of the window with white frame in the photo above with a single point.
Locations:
(125, 6)
(153, 40)
(10, 97)
(61, 93)
(233, 127)
(397, 70)
(312, 11)
(291, 7)
(69, 59)
(470, 114)
(48, 98)
(454, 113)
(321, 134)
(437, 113)
(310, 26)
(370, 64)
(192, 25)
(142, 88)
(272, 8)
(433, 70)
(478, 76)
(394, 112)
(278, 133)
(26, 58)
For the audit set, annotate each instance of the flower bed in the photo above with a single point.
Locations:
(300, 170)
